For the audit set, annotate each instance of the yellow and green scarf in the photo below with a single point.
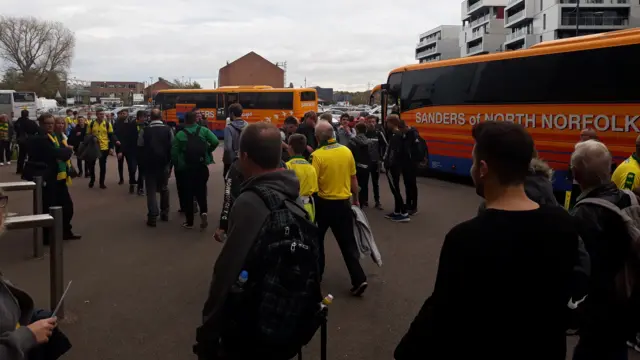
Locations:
(63, 166)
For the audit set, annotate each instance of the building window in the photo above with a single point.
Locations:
(541, 4)
(544, 21)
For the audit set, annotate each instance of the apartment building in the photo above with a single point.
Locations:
(440, 43)
(483, 28)
(532, 21)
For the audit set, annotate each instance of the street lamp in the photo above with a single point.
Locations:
(577, 17)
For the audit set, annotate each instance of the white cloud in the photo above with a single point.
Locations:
(345, 44)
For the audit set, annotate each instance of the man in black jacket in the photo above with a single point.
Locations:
(603, 333)
(307, 128)
(127, 132)
(377, 150)
(24, 127)
(48, 158)
(360, 146)
(154, 143)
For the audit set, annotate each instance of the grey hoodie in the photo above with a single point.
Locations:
(231, 140)
(16, 307)
(241, 237)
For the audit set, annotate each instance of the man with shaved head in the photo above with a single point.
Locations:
(337, 185)
(588, 134)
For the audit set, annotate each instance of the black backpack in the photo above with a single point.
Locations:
(157, 149)
(277, 311)
(196, 150)
(418, 148)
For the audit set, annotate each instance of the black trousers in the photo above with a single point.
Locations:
(102, 162)
(5, 150)
(363, 182)
(374, 170)
(181, 183)
(157, 182)
(337, 216)
(225, 170)
(393, 176)
(409, 175)
(195, 186)
(22, 156)
(56, 193)
(132, 168)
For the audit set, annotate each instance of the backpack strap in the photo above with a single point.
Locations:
(607, 205)
(633, 196)
(274, 201)
(197, 132)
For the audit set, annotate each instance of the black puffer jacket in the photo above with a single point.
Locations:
(538, 185)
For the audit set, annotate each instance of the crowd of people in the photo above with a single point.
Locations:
(523, 268)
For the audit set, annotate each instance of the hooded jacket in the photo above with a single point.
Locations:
(16, 307)
(241, 237)
(538, 185)
(360, 146)
(232, 140)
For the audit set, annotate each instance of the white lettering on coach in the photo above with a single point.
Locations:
(601, 122)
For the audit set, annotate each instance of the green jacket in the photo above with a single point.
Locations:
(179, 145)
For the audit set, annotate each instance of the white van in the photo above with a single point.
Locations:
(13, 102)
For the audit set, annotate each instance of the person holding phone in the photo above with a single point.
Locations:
(23, 330)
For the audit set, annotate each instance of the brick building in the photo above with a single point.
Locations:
(123, 90)
(251, 69)
(162, 84)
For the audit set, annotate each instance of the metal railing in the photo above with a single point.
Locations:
(426, 52)
(602, 2)
(595, 21)
(479, 20)
(474, 6)
(53, 221)
(517, 16)
(518, 33)
(36, 187)
(474, 49)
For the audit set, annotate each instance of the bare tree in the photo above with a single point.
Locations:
(38, 51)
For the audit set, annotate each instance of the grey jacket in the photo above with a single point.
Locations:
(16, 307)
(232, 140)
(241, 237)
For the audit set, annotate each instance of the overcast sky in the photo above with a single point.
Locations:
(344, 44)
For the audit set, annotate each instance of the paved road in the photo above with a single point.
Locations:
(137, 292)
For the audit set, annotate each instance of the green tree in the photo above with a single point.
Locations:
(186, 84)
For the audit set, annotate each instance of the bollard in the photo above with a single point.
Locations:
(56, 262)
(38, 247)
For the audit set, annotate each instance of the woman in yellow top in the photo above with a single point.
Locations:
(304, 171)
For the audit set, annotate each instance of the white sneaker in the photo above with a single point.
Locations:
(8, 162)
(203, 221)
(1, 164)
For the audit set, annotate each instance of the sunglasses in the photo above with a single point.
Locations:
(3, 201)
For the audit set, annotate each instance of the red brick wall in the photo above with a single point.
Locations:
(251, 70)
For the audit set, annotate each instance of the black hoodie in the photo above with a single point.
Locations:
(241, 236)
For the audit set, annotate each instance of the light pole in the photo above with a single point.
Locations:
(577, 17)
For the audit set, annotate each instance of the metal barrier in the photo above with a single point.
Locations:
(53, 221)
(36, 186)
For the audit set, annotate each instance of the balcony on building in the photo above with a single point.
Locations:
(431, 58)
(586, 4)
(426, 51)
(428, 39)
(518, 13)
(595, 18)
(520, 38)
